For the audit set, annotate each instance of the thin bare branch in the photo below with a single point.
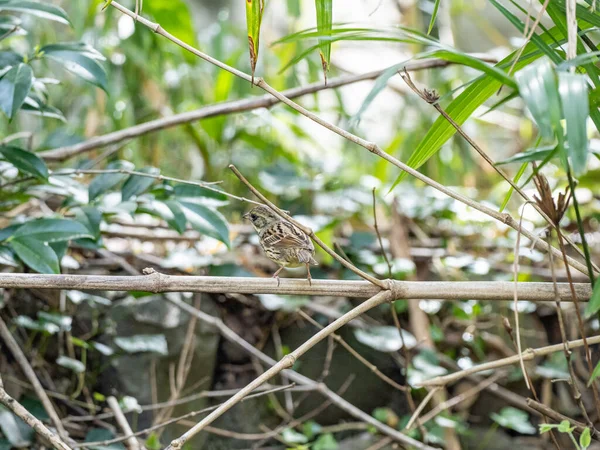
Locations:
(527, 355)
(131, 442)
(224, 108)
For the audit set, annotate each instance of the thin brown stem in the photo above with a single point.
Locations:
(387, 261)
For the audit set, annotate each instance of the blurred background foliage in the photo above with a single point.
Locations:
(120, 74)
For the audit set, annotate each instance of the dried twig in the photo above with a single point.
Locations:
(131, 442)
(372, 367)
(174, 420)
(387, 261)
(527, 355)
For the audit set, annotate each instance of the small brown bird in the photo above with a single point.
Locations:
(282, 241)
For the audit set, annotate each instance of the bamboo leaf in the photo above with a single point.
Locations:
(573, 90)
(324, 24)
(436, 7)
(254, 12)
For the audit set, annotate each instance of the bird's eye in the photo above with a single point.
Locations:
(253, 217)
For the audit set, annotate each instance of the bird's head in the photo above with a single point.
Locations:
(261, 216)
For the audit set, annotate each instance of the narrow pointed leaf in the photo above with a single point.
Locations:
(324, 25)
(36, 254)
(14, 87)
(518, 176)
(539, 89)
(254, 12)
(573, 89)
(25, 161)
(436, 7)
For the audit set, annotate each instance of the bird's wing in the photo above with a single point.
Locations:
(285, 235)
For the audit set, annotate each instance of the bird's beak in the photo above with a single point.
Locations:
(246, 216)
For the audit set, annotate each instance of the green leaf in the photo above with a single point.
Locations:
(384, 338)
(174, 15)
(91, 217)
(291, 436)
(178, 222)
(102, 434)
(61, 321)
(15, 430)
(9, 58)
(326, 442)
(564, 426)
(25, 161)
(515, 419)
(36, 254)
(545, 427)
(324, 25)
(156, 343)
(595, 373)
(44, 10)
(535, 154)
(36, 325)
(207, 221)
(71, 364)
(573, 89)
(471, 61)
(539, 89)
(137, 184)
(254, 12)
(80, 59)
(593, 306)
(106, 181)
(8, 231)
(518, 176)
(14, 87)
(585, 439)
(52, 230)
(460, 109)
(436, 7)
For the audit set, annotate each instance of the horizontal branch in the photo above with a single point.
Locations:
(229, 107)
(157, 282)
(527, 355)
